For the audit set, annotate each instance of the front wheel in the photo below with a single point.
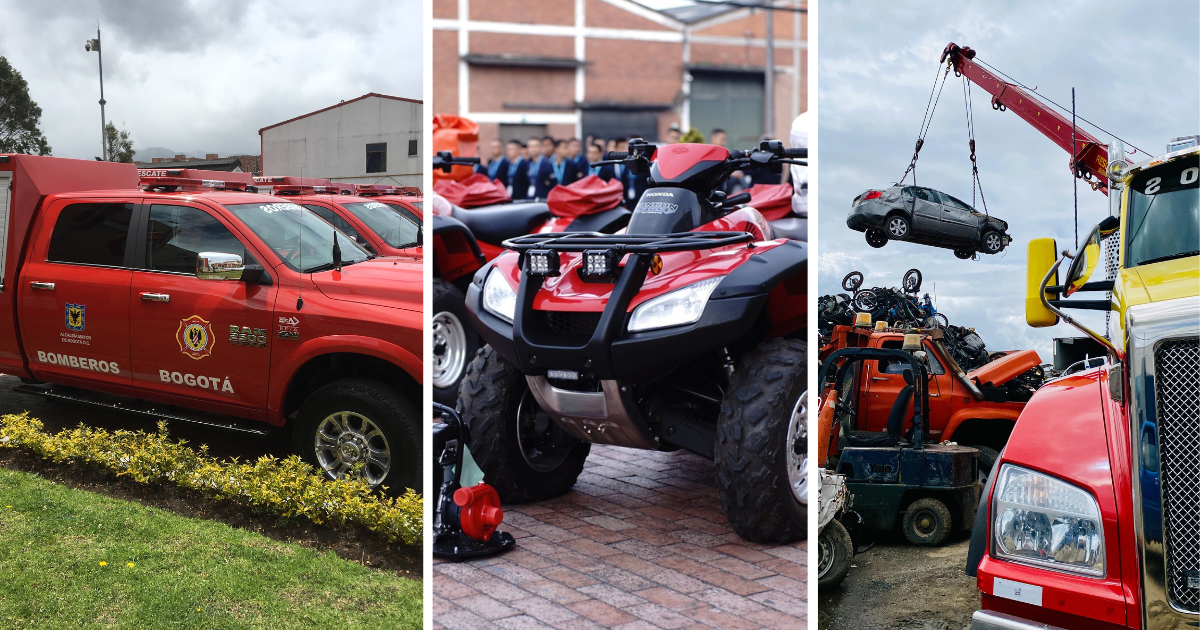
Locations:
(359, 426)
(761, 451)
(993, 243)
(835, 550)
(523, 453)
(454, 343)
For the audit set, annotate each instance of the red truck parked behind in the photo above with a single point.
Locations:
(194, 301)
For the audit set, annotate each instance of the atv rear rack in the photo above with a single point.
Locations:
(627, 243)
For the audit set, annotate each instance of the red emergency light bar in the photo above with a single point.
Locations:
(175, 184)
(301, 189)
(374, 190)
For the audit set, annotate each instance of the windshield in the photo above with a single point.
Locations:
(285, 226)
(419, 205)
(385, 221)
(408, 214)
(1163, 219)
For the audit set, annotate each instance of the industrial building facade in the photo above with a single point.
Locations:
(615, 67)
(372, 139)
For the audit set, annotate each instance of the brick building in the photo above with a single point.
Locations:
(210, 162)
(614, 67)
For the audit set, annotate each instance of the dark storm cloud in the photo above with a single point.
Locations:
(1136, 71)
(206, 76)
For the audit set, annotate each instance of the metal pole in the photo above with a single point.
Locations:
(769, 75)
(103, 124)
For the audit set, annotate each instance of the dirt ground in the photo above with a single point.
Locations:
(900, 587)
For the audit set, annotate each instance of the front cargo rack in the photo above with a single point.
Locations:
(627, 243)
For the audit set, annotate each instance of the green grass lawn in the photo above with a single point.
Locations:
(70, 558)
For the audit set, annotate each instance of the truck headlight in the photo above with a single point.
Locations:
(677, 308)
(1043, 521)
(499, 299)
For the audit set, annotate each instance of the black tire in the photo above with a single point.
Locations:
(897, 227)
(490, 402)
(752, 431)
(454, 341)
(852, 281)
(927, 522)
(912, 281)
(993, 242)
(876, 238)
(382, 406)
(835, 551)
(988, 457)
(963, 254)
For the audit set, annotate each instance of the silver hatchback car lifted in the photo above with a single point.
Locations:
(926, 216)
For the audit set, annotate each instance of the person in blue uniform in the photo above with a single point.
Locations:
(518, 170)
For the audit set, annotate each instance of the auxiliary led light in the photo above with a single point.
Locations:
(598, 263)
(541, 262)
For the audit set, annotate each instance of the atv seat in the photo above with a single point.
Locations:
(896, 419)
(794, 228)
(605, 222)
(496, 223)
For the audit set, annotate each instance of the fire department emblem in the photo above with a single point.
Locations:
(195, 337)
(75, 318)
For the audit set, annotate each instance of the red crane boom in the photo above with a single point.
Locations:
(1088, 152)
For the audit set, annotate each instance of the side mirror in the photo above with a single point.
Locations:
(219, 266)
(1042, 254)
(1084, 264)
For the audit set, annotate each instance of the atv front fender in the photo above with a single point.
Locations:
(456, 252)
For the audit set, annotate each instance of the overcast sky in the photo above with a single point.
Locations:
(205, 76)
(1135, 70)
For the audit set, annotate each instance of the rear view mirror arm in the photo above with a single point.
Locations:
(1114, 354)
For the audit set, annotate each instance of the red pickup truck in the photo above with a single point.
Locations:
(193, 300)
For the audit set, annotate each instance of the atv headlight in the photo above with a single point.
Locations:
(1046, 522)
(499, 299)
(677, 308)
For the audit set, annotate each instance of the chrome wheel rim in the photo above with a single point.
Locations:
(824, 555)
(897, 227)
(797, 450)
(449, 349)
(993, 242)
(540, 456)
(346, 439)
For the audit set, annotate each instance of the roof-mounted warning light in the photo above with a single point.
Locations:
(303, 189)
(180, 184)
(375, 190)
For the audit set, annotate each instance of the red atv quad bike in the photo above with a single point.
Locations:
(471, 219)
(687, 331)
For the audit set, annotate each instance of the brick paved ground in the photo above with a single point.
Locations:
(641, 542)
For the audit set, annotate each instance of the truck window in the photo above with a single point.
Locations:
(332, 217)
(897, 367)
(91, 234)
(177, 234)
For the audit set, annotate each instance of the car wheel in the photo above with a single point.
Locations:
(361, 421)
(963, 254)
(927, 522)
(522, 452)
(897, 227)
(835, 551)
(454, 342)
(876, 238)
(993, 242)
(761, 451)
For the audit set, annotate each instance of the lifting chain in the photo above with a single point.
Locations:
(935, 95)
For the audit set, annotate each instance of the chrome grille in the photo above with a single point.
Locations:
(1177, 394)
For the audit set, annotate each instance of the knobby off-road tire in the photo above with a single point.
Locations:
(927, 522)
(454, 341)
(361, 414)
(835, 551)
(752, 428)
(488, 400)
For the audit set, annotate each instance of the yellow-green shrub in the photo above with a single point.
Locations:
(287, 487)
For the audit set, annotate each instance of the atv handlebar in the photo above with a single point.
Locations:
(445, 160)
(627, 243)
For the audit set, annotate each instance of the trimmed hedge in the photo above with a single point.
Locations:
(287, 487)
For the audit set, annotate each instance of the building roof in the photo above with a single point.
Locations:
(229, 164)
(367, 95)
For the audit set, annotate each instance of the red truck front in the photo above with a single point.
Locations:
(1093, 519)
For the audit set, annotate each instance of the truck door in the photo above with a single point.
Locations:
(941, 402)
(884, 381)
(202, 339)
(73, 294)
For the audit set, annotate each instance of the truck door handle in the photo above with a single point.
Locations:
(878, 378)
(156, 297)
(44, 286)
(935, 395)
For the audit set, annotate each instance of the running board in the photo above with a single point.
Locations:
(146, 412)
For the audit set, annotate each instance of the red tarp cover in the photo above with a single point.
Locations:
(459, 136)
(586, 196)
(774, 201)
(472, 192)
